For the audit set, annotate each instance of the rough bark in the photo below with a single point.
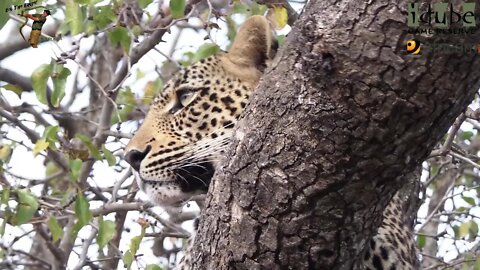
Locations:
(335, 125)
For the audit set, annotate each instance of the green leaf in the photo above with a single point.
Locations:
(463, 229)
(466, 135)
(144, 3)
(232, 28)
(14, 88)
(139, 74)
(137, 30)
(54, 228)
(75, 165)
(26, 208)
(187, 62)
(456, 231)
(40, 145)
(127, 98)
(280, 39)
(83, 2)
(239, 7)
(82, 210)
(90, 28)
(128, 259)
(153, 267)
(91, 148)
(4, 200)
(257, 9)
(76, 228)
(177, 8)
(473, 230)
(5, 6)
(469, 200)
(2, 226)
(18, 2)
(5, 152)
(103, 17)
(135, 242)
(106, 232)
(5, 195)
(108, 156)
(59, 78)
(421, 240)
(477, 264)
(74, 17)
(50, 135)
(119, 36)
(39, 81)
(205, 51)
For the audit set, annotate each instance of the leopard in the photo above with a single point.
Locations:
(179, 145)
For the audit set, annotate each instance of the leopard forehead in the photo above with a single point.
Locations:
(206, 77)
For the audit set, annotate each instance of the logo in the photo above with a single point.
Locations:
(431, 19)
(413, 46)
(20, 7)
(442, 18)
(38, 20)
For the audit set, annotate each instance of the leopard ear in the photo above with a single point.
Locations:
(254, 44)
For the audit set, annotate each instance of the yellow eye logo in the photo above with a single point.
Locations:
(413, 46)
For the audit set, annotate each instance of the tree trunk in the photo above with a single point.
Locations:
(337, 122)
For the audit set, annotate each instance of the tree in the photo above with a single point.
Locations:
(333, 129)
(357, 115)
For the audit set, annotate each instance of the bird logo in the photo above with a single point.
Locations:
(413, 46)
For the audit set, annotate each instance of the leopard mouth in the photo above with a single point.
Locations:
(195, 177)
(190, 178)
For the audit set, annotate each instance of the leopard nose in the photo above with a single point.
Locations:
(135, 157)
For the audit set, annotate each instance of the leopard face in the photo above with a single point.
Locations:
(177, 148)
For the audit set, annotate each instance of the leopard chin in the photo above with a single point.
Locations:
(190, 180)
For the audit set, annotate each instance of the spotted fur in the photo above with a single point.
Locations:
(176, 150)
(393, 247)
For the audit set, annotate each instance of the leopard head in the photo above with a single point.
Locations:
(177, 148)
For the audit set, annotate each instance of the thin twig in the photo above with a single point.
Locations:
(85, 246)
(34, 137)
(451, 136)
(117, 207)
(465, 159)
(434, 211)
(118, 184)
(57, 253)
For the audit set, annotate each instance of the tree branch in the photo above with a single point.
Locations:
(34, 137)
(14, 78)
(327, 138)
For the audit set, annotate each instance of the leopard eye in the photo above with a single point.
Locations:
(185, 97)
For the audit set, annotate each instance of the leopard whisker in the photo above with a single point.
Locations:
(201, 180)
(183, 178)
